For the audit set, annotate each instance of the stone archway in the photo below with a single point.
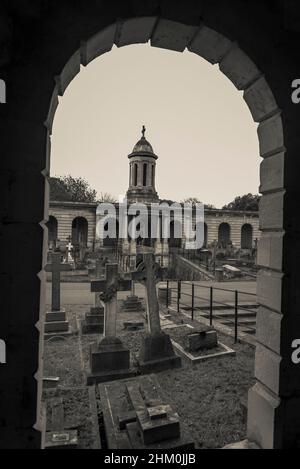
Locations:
(80, 229)
(224, 235)
(244, 74)
(273, 417)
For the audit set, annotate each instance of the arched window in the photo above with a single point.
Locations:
(247, 236)
(80, 231)
(224, 235)
(175, 240)
(111, 239)
(52, 226)
(135, 174)
(145, 174)
(205, 236)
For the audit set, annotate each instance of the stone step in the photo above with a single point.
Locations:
(231, 314)
(242, 322)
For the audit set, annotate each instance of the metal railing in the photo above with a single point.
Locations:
(186, 295)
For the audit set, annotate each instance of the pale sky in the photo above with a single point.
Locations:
(197, 122)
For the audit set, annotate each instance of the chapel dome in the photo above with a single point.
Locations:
(143, 147)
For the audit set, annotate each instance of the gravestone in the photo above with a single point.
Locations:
(109, 359)
(94, 321)
(133, 303)
(55, 322)
(157, 351)
(59, 437)
(205, 338)
(136, 416)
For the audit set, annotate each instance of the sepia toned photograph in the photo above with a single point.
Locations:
(149, 231)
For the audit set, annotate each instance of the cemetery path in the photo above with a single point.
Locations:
(79, 293)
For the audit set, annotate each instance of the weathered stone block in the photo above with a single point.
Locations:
(165, 427)
(263, 409)
(157, 353)
(56, 327)
(267, 364)
(135, 31)
(201, 340)
(210, 45)
(109, 355)
(272, 173)
(260, 100)
(271, 211)
(98, 44)
(270, 134)
(239, 68)
(269, 289)
(270, 252)
(69, 72)
(56, 316)
(172, 35)
(268, 324)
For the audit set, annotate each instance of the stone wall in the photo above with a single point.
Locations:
(66, 212)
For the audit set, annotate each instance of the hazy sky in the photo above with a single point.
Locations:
(198, 123)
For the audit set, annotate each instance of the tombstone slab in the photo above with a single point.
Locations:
(62, 440)
(201, 340)
(135, 416)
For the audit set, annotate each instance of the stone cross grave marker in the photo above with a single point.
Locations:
(157, 351)
(148, 275)
(69, 252)
(109, 288)
(56, 267)
(109, 359)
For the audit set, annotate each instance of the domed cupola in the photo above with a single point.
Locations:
(142, 172)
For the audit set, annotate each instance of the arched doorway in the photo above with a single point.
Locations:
(175, 241)
(247, 237)
(112, 239)
(224, 235)
(52, 226)
(80, 232)
(273, 402)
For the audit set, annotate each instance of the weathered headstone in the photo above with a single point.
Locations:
(94, 321)
(133, 303)
(59, 437)
(109, 359)
(157, 351)
(56, 322)
(203, 339)
(136, 417)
